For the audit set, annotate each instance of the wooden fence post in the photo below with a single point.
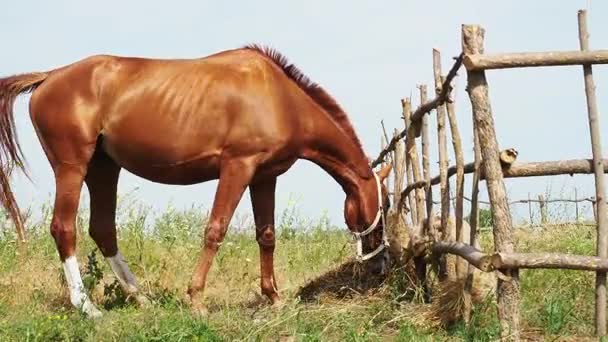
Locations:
(412, 152)
(474, 224)
(426, 170)
(507, 288)
(448, 232)
(576, 205)
(461, 267)
(426, 166)
(596, 147)
(530, 210)
(399, 169)
(543, 209)
(406, 106)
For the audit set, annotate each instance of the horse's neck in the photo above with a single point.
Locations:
(340, 156)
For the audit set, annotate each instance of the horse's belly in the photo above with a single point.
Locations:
(179, 166)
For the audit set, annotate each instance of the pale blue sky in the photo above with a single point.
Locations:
(367, 54)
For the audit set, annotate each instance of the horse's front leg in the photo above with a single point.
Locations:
(262, 201)
(235, 175)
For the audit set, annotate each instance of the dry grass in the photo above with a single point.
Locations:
(327, 296)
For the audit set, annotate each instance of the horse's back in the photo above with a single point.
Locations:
(168, 120)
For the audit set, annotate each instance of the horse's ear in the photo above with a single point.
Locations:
(384, 172)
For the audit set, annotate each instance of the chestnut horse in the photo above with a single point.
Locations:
(242, 116)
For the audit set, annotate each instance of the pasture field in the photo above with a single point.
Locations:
(161, 251)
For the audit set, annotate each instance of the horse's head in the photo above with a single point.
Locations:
(364, 213)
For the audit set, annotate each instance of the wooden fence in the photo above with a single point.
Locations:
(490, 164)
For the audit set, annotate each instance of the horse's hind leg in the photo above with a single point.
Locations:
(262, 201)
(69, 179)
(102, 182)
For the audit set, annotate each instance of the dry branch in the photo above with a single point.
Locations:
(474, 256)
(549, 260)
(534, 59)
(424, 108)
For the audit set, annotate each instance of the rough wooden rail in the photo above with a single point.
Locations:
(549, 260)
(499, 261)
(518, 170)
(534, 59)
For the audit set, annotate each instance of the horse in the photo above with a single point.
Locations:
(243, 116)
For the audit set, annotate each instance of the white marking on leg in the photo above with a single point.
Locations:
(122, 272)
(126, 278)
(77, 295)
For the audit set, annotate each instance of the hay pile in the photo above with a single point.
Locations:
(353, 279)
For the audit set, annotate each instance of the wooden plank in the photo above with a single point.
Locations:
(534, 59)
(596, 147)
(507, 290)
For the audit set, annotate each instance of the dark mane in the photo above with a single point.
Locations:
(314, 90)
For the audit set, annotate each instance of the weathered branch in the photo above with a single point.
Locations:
(532, 169)
(549, 260)
(475, 257)
(534, 59)
(424, 108)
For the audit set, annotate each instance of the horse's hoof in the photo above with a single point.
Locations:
(142, 301)
(277, 305)
(90, 310)
(200, 312)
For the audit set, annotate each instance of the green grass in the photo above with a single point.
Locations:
(161, 251)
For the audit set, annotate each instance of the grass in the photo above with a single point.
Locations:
(161, 251)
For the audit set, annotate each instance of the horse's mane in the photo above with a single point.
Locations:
(314, 90)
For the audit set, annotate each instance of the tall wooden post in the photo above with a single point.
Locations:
(412, 153)
(426, 167)
(576, 205)
(474, 222)
(406, 106)
(399, 169)
(543, 209)
(596, 148)
(459, 200)
(447, 233)
(530, 210)
(508, 287)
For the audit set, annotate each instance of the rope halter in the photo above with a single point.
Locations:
(358, 235)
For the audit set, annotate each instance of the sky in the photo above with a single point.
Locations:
(367, 54)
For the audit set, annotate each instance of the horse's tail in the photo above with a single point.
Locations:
(11, 155)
